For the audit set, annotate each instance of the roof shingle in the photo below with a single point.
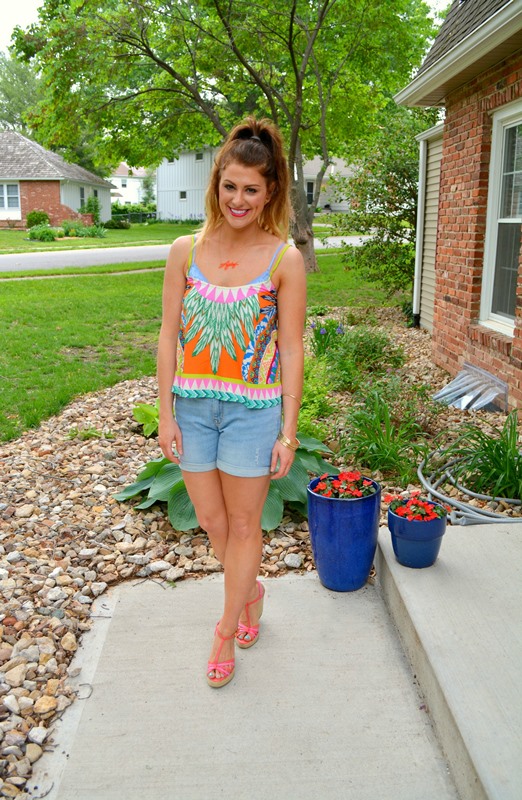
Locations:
(464, 17)
(23, 159)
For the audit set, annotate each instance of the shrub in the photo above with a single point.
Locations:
(314, 404)
(37, 218)
(42, 233)
(92, 206)
(122, 224)
(324, 333)
(73, 227)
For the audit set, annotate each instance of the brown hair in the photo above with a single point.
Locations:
(253, 143)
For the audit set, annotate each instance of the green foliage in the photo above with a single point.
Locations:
(489, 464)
(383, 196)
(377, 442)
(359, 351)
(133, 208)
(148, 417)
(324, 334)
(192, 69)
(314, 403)
(20, 91)
(117, 224)
(162, 481)
(92, 206)
(43, 233)
(75, 227)
(37, 218)
(89, 433)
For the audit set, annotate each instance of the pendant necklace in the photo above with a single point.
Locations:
(229, 264)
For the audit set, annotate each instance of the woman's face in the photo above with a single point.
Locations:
(243, 193)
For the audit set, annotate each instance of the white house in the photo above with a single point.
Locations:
(181, 184)
(128, 184)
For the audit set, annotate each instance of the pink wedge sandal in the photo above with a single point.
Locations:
(225, 667)
(252, 631)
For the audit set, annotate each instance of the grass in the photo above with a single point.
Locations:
(13, 241)
(63, 338)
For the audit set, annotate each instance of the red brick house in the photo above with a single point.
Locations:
(33, 178)
(468, 283)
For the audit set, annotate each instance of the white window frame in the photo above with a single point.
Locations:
(183, 194)
(503, 119)
(7, 211)
(199, 155)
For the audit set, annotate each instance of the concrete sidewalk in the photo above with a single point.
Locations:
(326, 705)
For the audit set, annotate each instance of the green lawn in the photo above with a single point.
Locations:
(12, 241)
(62, 337)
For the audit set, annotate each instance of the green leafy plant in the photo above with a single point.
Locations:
(162, 481)
(361, 350)
(37, 218)
(315, 405)
(148, 416)
(489, 464)
(89, 433)
(92, 206)
(115, 224)
(377, 442)
(42, 233)
(324, 333)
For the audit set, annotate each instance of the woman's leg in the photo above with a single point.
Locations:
(206, 493)
(244, 499)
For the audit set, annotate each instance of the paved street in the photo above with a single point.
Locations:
(18, 262)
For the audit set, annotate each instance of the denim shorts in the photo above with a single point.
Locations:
(226, 435)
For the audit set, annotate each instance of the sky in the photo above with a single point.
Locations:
(24, 12)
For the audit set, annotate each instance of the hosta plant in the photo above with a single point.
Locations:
(161, 481)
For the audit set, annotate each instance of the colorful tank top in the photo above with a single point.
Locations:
(227, 346)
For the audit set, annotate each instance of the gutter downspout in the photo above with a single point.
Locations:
(419, 235)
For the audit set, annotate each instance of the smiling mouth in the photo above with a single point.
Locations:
(238, 212)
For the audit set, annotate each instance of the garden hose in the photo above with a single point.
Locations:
(462, 513)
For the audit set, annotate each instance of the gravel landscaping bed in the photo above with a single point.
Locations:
(64, 541)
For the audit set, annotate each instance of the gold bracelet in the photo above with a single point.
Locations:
(286, 442)
(292, 395)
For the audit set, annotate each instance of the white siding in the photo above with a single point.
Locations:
(70, 196)
(131, 193)
(434, 156)
(185, 175)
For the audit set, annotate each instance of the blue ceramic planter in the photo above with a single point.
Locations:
(343, 534)
(416, 543)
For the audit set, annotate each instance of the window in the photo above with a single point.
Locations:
(124, 183)
(199, 156)
(95, 192)
(502, 249)
(82, 196)
(182, 195)
(9, 197)
(310, 192)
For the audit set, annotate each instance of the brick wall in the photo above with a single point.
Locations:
(45, 196)
(457, 334)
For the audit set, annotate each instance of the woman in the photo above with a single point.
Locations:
(231, 352)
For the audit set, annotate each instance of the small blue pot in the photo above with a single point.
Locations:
(416, 543)
(343, 534)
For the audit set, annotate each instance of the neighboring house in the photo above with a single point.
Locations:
(128, 184)
(182, 182)
(468, 284)
(33, 178)
(327, 198)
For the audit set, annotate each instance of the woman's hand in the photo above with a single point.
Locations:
(170, 439)
(282, 460)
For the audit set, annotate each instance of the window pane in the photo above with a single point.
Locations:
(2, 201)
(506, 269)
(511, 194)
(309, 192)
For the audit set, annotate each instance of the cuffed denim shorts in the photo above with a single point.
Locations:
(227, 435)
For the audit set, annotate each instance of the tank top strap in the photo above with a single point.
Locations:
(191, 253)
(276, 258)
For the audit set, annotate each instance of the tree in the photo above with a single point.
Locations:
(20, 91)
(383, 193)
(161, 75)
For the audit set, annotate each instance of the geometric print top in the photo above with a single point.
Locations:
(227, 346)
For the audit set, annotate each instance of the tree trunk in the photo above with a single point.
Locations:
(300, 227)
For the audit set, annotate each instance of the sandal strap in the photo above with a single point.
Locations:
(252, 630)
(225, 667)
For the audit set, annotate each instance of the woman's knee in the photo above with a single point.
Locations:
(244, 528)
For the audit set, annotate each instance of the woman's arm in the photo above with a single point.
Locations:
(173, 289)
(291, 303)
